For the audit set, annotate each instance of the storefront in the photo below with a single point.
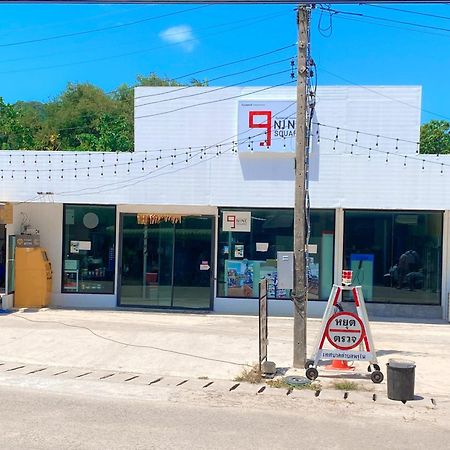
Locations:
(154, 228)
(165, 261)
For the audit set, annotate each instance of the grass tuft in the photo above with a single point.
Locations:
(250, 375)
(280, 383)
(345, 385)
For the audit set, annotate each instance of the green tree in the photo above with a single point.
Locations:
(14, 135)
(83, 117)
(435, 137)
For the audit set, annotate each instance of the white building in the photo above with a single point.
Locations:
(145, 229)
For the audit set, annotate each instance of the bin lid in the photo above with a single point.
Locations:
(402, 364)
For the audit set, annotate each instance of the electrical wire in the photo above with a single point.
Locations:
(216, 101)
(397, 27)
(101, 29)
(181, 88)
(221, 88)
(391, 8)
(247, 22)
(385, 19)
(127, 344)
(383, 95)
(126, 183)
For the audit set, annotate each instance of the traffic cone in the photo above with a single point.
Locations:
(339, 364)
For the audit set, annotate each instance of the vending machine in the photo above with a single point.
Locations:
(33, 273)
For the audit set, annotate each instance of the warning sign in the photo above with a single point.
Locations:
(344, 330)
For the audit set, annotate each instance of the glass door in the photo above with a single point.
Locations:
(166, 265)
(192, 269)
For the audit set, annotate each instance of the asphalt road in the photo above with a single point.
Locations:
(41, 419)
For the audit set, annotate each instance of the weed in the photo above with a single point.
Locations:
(345, 385)
(282, 384)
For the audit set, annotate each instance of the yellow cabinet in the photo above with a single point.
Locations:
(33, 278)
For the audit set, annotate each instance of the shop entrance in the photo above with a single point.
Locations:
(2, 258)
(165, 264)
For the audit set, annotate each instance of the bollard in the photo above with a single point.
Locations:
(400, 379)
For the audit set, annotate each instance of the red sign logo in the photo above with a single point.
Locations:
(266, 125)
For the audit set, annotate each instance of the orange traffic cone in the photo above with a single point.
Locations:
(339, 364)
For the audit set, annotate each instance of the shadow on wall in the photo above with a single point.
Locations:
(261, 167)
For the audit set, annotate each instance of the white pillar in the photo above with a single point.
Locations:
(445, 288)
(338, 245)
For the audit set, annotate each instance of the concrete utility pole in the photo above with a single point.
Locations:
(299, 295)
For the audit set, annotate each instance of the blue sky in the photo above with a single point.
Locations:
(190, 38)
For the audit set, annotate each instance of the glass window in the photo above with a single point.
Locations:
(395, 256)
(167, 265)
(245, 258)
(88, 244)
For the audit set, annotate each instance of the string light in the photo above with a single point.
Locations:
(387, 154)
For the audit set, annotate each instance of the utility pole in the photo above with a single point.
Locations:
(299, 295)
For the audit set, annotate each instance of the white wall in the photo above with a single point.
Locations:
(348, 181)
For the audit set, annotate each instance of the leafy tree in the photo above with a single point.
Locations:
(435, 137)
(13, 134)
(83, 117)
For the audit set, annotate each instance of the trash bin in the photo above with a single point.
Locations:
(400, 379)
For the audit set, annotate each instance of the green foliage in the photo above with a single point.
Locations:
(14, 134)
(82, 118)
(435, 137)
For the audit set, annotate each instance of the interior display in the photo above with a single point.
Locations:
(89, 249)
(246, 258)
(395, 256)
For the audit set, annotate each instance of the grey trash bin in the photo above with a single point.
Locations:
(400, 379)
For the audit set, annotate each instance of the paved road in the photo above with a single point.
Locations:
(39, 418)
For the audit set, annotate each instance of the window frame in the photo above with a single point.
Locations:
(260, 208)
(114, 288)
(441, 260)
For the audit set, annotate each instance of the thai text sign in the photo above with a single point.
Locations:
(344, 330)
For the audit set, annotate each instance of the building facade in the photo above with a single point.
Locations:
(195, 216)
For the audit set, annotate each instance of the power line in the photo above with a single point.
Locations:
(397, 27)
(217, 100)
(221, 88)
(237, 61)
(408, 11)
(383, 95)
(84, 127)
(97, 30)
(245, 22)
(384, 19)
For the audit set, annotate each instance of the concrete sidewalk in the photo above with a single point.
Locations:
(200, 345)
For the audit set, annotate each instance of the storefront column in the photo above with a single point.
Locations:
(445, 266)
(338, 245)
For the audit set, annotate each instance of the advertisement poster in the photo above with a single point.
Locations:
(239, 251)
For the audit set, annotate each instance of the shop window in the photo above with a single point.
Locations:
(395, 256)
(88, 249)
(246, 257)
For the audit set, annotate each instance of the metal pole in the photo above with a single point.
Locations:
(299, 295)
